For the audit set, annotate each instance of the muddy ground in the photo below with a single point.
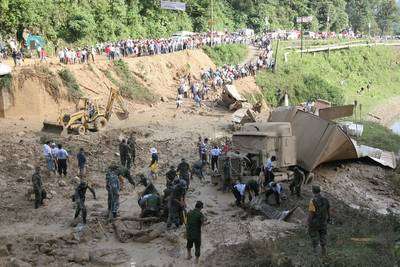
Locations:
(49, 236)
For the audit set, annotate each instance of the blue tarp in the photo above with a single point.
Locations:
(34, 41)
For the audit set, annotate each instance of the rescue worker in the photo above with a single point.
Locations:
(81, 157)
(149, 187)
(80, 197)
(197, 169)
(276, 190)
(176, 205)
(252, 187)
(184, 171)
(154, 163)
(298, 179)
(124, 154)
(132, 148)
(113, 188)
(227, 178)
(150, 205)
(170, 175)
(318, 218)
(238, 191)
(40, 193)
(268, 171)
(124, 172)
(195, 220)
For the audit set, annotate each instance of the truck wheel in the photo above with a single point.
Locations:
(81, 130)
(100, 123)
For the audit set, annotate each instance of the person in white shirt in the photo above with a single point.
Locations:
(54, 152)
(238, 191)
(215, 153)
(48, 156)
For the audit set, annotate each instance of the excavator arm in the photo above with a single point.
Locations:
(121, 111)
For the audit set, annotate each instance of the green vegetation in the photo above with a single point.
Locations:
(379, 136)
(87, 21)
(127, 83)
(336, 77)
(371, 246)
(70, 82)
(5, 82)
(231, 54)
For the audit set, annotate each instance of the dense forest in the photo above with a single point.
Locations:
(83, 21)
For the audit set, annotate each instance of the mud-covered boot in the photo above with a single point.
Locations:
(323, 251)
(189, 254)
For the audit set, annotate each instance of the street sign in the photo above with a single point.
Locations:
(304, 19)
(173, 5)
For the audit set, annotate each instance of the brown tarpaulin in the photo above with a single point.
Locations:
(318, 140)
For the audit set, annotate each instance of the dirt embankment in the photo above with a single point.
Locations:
(38, 93)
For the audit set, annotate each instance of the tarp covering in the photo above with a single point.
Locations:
(319, 140)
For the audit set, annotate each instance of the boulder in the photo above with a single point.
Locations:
(81, 256)
(107, 257)
(4, 251)
(13, 262)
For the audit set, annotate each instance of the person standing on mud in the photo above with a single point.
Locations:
(37, 184)
(227, 177)
(48, 156)
(80, 197)
(81, 157)
(124, 154)
(62, 159)
(113, 188)
(132, 148)
(295, 185)
(318, 219)
(215, 153)
(195, 220)
(184, 171)
(154, 163)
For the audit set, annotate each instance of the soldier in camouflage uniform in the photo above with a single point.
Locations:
(318, 218)
(80, 198)
(295, 185)
(195, 220)
(132, 148)
(40, 194)
(124, 154)
(113, 188)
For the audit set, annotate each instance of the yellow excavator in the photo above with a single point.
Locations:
(91, 115)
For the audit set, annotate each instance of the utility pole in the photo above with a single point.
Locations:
(212, 22)
(302, 37)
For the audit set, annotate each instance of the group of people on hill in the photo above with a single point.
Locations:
(211, 79)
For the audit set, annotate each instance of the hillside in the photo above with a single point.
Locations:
(338, 77)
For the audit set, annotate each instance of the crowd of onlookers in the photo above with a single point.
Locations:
(148, 47)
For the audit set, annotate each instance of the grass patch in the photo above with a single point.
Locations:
(336, 77)
(128, 85)
(379, 136)
(379, 250)
(70, 82)
(230, 54)
(6, 82)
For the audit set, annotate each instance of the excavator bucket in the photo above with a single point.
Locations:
(122, 115)
(52, 127)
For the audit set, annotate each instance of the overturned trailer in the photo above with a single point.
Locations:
(253, 144)
(321, 140)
